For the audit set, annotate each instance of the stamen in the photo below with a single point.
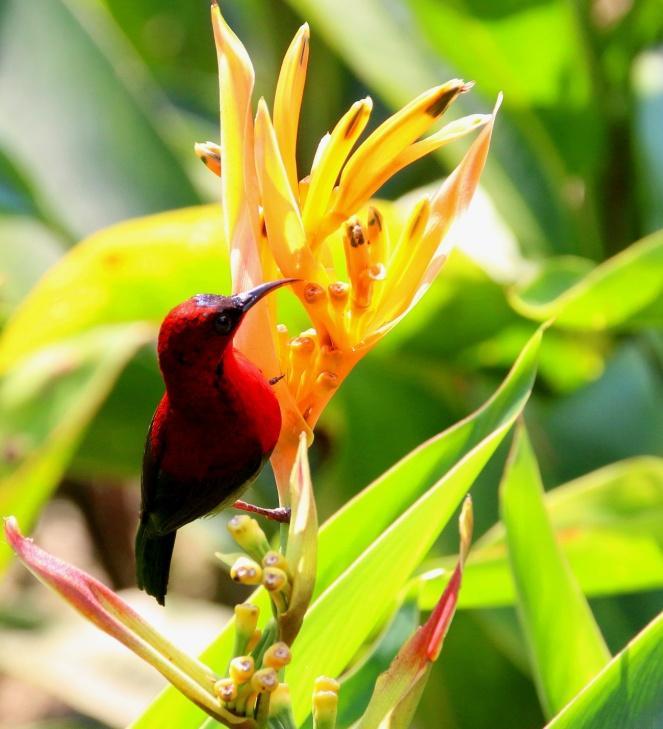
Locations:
(357, 258)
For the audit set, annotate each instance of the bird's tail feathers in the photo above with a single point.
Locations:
(153, 555)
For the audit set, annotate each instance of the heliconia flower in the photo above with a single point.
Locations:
(399, 688)
(110, 613)
(360, 269)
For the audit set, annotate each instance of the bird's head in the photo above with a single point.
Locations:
(200, 328)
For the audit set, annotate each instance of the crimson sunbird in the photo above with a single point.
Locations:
(212, 432)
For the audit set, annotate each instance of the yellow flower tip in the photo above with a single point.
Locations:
(466, 527)
(275, 559)
(246, 572)
(339, 291)
(241, 669)
(444, 95)
(210, 155)
(274, 579)
(277, 656)
(327, 380)
(265, 680)
(246, 618)
(249, 536)
(313, 293)
(226, 689)
(324, 683)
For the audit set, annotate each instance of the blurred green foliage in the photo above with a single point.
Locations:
(102, 102)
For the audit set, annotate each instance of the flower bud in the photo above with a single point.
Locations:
(277, 656)
(265, 680)
(246, 618)
(226, 689)
(246, 572)
(274, 579)
(325, 703)
(247, 533)
(275, 559)
(324, 683)
(241, 669)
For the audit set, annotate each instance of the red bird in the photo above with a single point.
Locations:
(212, 432)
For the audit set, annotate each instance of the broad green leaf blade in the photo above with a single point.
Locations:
(627, 693)
(77, 130)
(45, 405)
(347, 539)
(567, 647)
(609, 525)
(610, 295)
(133, 271)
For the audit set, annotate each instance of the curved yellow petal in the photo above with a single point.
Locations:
(329, 160)
(288, 101)
(363, 173)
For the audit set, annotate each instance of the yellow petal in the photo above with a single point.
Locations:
(285, 229)
(451, 200)
(363, 173)
(288, 101)
(449, 133)
(330, 157)
(239, 189)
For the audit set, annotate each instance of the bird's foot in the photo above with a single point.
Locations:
(282, 514)
(274, 380)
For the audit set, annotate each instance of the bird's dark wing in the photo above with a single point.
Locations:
(179, 503)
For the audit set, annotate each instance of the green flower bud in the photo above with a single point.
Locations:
(247, 533)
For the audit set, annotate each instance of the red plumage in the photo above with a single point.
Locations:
(212, 432)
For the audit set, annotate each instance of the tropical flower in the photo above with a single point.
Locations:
(360, 269)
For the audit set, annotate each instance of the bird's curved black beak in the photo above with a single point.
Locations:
(248, 298)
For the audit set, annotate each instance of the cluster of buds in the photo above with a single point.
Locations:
(255, 671)
(261, 565)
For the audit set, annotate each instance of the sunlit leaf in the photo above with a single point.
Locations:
(45, 404)
(608, 296)
(88, 144)
(627, 693)
(567, 647)
(133, 271)
(609, 525)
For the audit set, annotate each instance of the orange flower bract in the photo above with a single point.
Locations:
(282, 223)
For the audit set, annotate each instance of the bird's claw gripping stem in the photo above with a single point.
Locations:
(282, 514)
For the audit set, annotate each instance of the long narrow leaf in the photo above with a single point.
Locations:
(566, 645)
(627, 693)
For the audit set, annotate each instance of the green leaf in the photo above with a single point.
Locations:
(45, 404)
(610, 295)
(609, 525)
(84, 136)
(364, 562)
(567, 647)
(133, 271)
(302, 548)
(627, 693)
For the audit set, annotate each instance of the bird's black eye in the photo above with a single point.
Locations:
(223, 324)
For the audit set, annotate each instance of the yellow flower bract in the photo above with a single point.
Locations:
(283, 223)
